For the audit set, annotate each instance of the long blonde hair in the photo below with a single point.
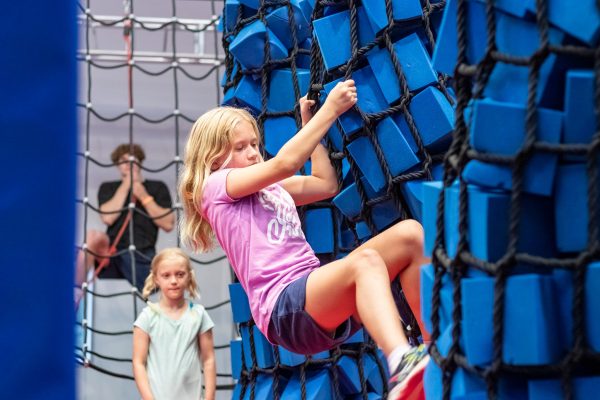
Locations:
(209, 140)
(171, 252)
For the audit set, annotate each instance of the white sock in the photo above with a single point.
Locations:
(395, 356)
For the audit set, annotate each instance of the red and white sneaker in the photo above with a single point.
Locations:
(406, 383)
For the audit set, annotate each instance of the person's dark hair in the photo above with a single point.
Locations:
(126, 148)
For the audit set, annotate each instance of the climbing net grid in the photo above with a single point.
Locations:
(269, 81)
(522, 75)
(171, 60)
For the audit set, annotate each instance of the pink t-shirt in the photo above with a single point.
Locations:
(263, 239)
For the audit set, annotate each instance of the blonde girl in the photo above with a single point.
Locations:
(172, 339)
(249, 205)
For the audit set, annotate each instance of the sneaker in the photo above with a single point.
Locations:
(407, 380)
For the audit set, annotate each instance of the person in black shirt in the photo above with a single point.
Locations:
(152, 211)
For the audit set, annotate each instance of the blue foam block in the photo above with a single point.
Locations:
(488, 217)
(434, 118)
(240, 306)
(318, 386)
(247, 94)
(303, 59)
(335, 136)
(281, 95)
(432, 379)
(264, 387)
(278, 131)
(493, 120)
(580, 121)
(370, 396)
(431, 192)
(289, 358)
(518, 8)
(582, 22)
(231, 12)
(446, 298)
(348, 377)
(278, 21)
(571, 208)
(401, 10)
(414, 61)
(413, 192)
(528, 302)
(262, 347)
(358, 337)
(332, 34)
(396, 151)
(318, 228)
(375, 381)
(248, 46)
(348, 200)
(551, 389)
(307, 7)
(236, 358)
(563, 288)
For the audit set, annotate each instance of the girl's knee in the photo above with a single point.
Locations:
(410, 233)
(367, 260)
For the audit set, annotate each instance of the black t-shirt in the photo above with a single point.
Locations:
(145, 231)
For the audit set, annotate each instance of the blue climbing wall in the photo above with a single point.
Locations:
(37, 160)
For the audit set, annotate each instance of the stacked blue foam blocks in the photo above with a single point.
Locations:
(251, 353)
(554, 216)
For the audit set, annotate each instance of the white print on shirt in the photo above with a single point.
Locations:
(285, 221)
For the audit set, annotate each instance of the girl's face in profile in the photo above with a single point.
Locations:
(244, 148)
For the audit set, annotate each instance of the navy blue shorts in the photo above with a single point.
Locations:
(292, 328)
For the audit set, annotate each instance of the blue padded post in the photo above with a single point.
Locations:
(402, 10)
(592, 305)
(434, 117)
(571, 208)
(528, 302)
(277, 131)
(415, 63)
(240, 306)
(397, 153)
(248, 46)
(332, 33)
(281, 89)
(318, 228)
(580, 121)
(38, 123)
(493, 120)
(264, 349)
(582, 22)
(318, 386)
(236, 358)
(551, 389)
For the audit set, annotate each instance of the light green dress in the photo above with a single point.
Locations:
(173, 363)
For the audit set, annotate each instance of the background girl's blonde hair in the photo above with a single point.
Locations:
(172, 252)
(209, 140)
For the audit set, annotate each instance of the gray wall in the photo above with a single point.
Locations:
(154, 97)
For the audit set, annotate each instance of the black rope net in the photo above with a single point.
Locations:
(250, 83)
(185, 67)
(519, 56)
